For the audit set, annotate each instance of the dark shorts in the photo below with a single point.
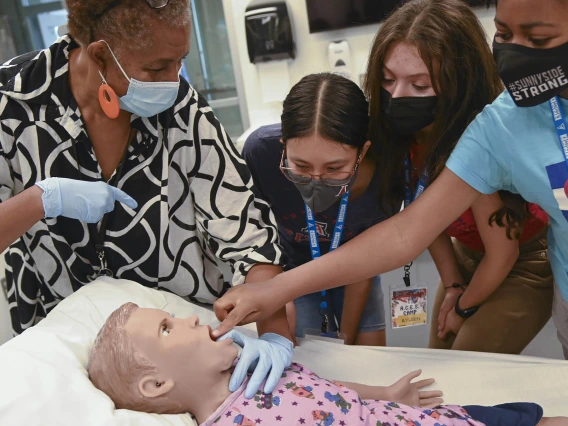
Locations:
(516, 414)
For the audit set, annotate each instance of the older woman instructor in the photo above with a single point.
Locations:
(101, 114)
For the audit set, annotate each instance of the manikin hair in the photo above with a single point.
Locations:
(115, 367)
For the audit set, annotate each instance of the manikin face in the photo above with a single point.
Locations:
(181, 349)
(405, 74)
(317, 156)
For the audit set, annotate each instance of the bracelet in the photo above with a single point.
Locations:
(464, 313)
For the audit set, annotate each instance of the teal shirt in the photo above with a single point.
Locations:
(517, 149)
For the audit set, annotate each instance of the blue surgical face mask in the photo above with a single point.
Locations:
(147, 99)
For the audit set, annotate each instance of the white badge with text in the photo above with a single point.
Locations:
(409, 306)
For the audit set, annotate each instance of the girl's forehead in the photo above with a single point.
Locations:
(403, 57)
(317, 144)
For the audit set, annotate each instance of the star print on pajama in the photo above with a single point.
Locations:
(303, 398)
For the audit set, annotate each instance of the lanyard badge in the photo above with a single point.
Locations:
(409, 306)
(409, 302)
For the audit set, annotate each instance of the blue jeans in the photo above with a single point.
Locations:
(308, 310)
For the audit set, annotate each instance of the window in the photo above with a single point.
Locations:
(209, 64)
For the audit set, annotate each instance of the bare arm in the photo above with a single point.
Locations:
(500, 254)
(405, 235)
(444, 256)
(19, 214)
(277, 322)
(354, 302)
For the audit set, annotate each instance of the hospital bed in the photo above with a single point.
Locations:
(43, 380)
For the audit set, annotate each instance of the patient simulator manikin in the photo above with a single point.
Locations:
(146, 360)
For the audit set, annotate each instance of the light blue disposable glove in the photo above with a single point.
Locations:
(76, 199)
(271, 353)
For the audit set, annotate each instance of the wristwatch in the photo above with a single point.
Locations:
(465, 313)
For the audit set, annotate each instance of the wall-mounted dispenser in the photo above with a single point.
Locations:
(339, 57)
(269, 31)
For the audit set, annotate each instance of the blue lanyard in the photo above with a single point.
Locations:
(337, 233)
(561, 125)
(422, 183)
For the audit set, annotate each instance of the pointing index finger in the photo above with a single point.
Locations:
(228, 323)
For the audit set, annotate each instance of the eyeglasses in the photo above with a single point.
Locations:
(338, 178)
(157, 4)
(154, 4)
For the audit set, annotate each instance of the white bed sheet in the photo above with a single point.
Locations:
(44, 381)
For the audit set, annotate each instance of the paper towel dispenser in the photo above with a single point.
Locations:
(269, 31)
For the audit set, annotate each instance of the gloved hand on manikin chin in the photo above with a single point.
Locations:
(268, 356)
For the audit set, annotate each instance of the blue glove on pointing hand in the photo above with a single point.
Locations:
(271, 353)
(77, 199)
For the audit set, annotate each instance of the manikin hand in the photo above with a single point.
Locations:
(271, 353)
(454, 324)
(76, 199)
(452, 295)
(408, 393)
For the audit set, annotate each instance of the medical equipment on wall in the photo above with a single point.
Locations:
(271, 46)
(269, 31)
(339, 58)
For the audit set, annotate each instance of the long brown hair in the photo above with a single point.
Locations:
(453, 45)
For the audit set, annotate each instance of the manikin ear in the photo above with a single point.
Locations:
(365, 149)
(153, 386)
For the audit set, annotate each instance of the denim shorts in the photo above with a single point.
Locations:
(308, 310)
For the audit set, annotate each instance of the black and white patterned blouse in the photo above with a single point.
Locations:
(195, 205)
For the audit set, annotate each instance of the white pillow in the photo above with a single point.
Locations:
(43, 371)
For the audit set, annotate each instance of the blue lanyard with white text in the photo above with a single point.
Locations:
(420, 187)
(337, 233)
(561, 125)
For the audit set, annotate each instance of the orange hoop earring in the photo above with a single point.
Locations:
(108, 99)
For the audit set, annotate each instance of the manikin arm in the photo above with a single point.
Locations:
(403, 391)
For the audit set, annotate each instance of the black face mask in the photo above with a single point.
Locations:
(532, 76)
(408, 115)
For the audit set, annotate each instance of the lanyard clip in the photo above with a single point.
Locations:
(406, 277)
(325, 324)
(103, 271)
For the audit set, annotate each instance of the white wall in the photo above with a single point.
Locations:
(311, 52)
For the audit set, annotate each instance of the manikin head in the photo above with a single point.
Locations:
(146, 360)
